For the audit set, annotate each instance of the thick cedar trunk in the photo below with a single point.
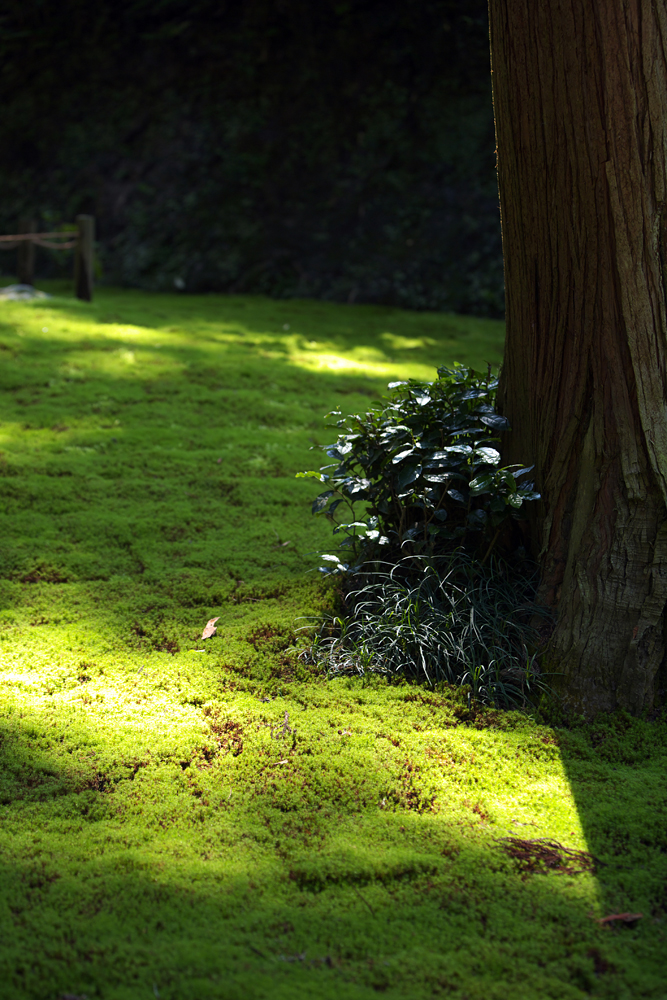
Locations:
(580, 94)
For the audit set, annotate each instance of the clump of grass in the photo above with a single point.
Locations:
(457, 621)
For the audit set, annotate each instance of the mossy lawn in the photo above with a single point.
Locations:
(186, 820)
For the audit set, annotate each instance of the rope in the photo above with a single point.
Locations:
(38, 236)
(56, 246)
(41, 240)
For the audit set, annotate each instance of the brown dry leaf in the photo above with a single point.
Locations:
(626, 918)
(210, 629)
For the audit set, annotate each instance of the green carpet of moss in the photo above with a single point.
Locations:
(227, 824)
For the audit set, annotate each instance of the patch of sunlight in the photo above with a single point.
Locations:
(27, 680)
(341, 363)
(131, 331)
(534, 798)
(9, 433)
(398, 343)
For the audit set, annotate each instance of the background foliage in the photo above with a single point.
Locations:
(341, 150)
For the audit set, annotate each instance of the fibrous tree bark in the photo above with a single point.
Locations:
(580, 96)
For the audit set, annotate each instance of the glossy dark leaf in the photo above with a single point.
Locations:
(457, 495)
(495, 421)
(409, 474)
(477, 519)
(358, 487)
(320, 502)
(481, 484)
(452, 453)
(488, 455)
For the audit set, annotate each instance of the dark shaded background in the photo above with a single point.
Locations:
(341, 150)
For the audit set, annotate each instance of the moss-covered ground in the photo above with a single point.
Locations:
(184, 825)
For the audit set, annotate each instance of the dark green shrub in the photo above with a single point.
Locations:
(426, 500)
(423, 468)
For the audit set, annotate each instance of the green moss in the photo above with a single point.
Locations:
(226, 823)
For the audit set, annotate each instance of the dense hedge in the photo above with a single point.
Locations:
(334, 149)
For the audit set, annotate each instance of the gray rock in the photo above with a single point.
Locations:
(22, 293)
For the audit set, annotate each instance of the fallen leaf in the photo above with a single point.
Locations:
(210, 629)
(626, 918)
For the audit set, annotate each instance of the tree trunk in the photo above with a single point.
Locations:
(580, 95)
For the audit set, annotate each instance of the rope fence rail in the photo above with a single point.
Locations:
(80, 238)
(39, 239)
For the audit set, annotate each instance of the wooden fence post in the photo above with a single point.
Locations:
(25, 266)
(83, 258)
